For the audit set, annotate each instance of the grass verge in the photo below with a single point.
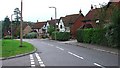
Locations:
(11, 48)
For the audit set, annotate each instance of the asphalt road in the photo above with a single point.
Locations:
(53, 53)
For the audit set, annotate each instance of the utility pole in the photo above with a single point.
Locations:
(21, 18)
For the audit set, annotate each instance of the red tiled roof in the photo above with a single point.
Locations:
(38, 25)
(92, 14)
(52, 22)
(69, 19)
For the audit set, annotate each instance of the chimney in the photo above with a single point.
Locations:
(37, 20)
(91, 7)
(80, 12)
(51, 18)
(95, 6)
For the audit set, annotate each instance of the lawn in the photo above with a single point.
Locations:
(11, 48)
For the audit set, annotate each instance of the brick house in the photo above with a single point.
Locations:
(27, 29)
(38, 27)
(91, 19)
(77, 24)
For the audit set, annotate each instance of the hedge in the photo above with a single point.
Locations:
(61, 36)
(87, 35)
(95, 36)
(31, 35)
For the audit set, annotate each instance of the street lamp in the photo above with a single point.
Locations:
(11, 25)
(55, 19)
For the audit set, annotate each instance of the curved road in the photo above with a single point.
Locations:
(53, 53)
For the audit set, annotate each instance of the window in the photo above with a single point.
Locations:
(56, 26)
(97, 21)
(60, 26)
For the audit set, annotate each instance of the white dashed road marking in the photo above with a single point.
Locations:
(75, 55)
(39, 60)
(98, 65)
(60, 48)
(50, 45)
(32, 61)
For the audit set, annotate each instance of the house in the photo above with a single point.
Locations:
(27, 30)
(51, 22)
(38, 27)
(109, 9)
(91, 19)
(77, 24)
(98, 17)
(66, 22)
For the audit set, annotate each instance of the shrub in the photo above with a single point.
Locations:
(95, 36)
(61, 36)
(80, 35)
(7, 37)
(31, 35)
(87, 35)
(98, 36)
(51, 29)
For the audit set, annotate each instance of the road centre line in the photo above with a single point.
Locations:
(75, 55)
(50, 44)
(59, 48)
(98, 65)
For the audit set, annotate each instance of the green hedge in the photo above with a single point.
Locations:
(61, 36)
(95, 36)
(31, 35)
(87, 35)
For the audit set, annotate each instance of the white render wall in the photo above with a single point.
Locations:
(63, 27)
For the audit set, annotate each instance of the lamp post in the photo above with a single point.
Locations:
(55, 19)
(11, 25)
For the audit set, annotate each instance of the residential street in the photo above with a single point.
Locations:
(54, 53)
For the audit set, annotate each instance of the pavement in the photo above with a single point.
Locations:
(92, 46)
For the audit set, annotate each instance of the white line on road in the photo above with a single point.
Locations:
(32, 65)
(75, 55)
(32, 61)
(98, 65)
(50, 44)
(60, 48)
(39, 60)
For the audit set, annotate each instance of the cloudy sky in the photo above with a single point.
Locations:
(34, 10)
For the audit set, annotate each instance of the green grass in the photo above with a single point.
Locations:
(11, 48)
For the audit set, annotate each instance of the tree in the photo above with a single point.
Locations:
(17, 17)
(0, 29)
(50, 30)
(116, 26)
(101, 14)
(113, 27)
(6, 25)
